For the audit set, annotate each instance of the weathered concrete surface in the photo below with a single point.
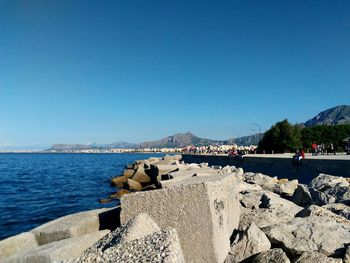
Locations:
(16, 244)
(58, 250)
(203, 210)
(73, 225)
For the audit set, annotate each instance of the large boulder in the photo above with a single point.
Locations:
(313, 233)
(16, 244)
(203, 210)
(315, 257)
(249, 242)
(302, 196)
(265, 208)
(335, 186)
(137, 228)
(73, 225)
(275, 255)
(58, 250)
(141, 176)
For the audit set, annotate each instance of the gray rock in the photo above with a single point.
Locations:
(321, 198)
(161, 246)
(16, 244)
(204, 211)
(313, 233)
(260, 179)
(136, 228)
(245, 187)
(315, 257)
(58, 250)
(335, 186)
(272, 209)
(250, 242)
(315, 210)
(324, 181)
(275, 255)
(73, 225)
(302, 196)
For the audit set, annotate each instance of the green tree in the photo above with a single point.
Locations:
(280, 138)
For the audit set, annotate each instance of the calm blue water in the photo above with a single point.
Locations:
(37, 188)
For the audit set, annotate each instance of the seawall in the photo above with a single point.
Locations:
(281, 167)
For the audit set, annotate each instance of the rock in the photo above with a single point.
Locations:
(324, 181)
(176, 157)
(275, 255)
(161, 246)
(105, 200)
(260, 179)
(315, 257)
(310, 234)
(226, 170)
(315, 210)
(251, 241)
(203, 210)
(337, 187)
(119, 193)
(73, 225)
(302, 196)
(140, 239)
(347, 255)
(250, 199)
(133, 185)
(285, 187)
(245, 187)
(265, 208)
(119, 180)
(141, 176)
(321, 198)
(339, 209)
(129, 173)
(16, 244)
(130, 166)
(58, 250)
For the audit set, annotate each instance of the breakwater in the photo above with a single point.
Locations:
(179, 212)
(280, 167)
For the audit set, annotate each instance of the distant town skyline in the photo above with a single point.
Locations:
(108, 71)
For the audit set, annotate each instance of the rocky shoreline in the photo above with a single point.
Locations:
(176, 212)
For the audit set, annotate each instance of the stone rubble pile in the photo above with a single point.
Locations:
(176, 212)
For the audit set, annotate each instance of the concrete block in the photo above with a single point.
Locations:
(73, 225)
(203, 210)
(16, 244)
(59, 250)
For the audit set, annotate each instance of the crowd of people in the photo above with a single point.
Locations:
(231, 150)
(323, 149)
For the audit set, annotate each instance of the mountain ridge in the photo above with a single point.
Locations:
(333, 116)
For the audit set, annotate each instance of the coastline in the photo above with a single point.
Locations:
(258, 206)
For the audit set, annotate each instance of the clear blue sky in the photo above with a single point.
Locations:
(105, 71)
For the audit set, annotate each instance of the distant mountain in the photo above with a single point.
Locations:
(334, 116)
(180, 140)
(248, 140)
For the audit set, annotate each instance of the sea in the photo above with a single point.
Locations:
(36, 187)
